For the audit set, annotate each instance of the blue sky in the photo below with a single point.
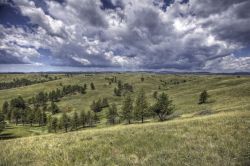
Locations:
(176, 35)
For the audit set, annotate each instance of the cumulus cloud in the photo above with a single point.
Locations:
(150, 34)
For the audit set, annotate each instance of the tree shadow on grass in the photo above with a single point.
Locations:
(5, 136)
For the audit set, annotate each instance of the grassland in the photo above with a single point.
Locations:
(216, 133)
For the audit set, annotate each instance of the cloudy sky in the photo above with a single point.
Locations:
(181, 35)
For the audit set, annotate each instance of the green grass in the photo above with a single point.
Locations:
(219, 139)
(215, 133)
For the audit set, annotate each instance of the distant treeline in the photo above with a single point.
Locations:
(24, 82)
(42, 97)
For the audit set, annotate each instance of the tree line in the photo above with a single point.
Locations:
(55, 95)
(23, 82)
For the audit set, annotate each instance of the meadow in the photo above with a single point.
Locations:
(214, 133)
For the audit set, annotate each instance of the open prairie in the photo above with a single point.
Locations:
(214, 133)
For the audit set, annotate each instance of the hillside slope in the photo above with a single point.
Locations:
(219, 139)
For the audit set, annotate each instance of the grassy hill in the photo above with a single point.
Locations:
(219, 139)
(215, 133)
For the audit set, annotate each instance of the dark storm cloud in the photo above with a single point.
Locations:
(156, 34)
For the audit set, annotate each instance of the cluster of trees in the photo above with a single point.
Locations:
(23, 82)
(173, 82)
(122, 89)
(140, 108)
(17, 111)
(98, 105)
(71, 123)
(111, 79)
(43, 97)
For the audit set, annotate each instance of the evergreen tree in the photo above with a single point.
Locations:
(49, 123)
(117, 92)
(112, 114)
(96, 106)
(54, 124)
(2, 121)
(83, 118)
(75, 121)
(127, 109)
(38, 116)
(31, 117)
(90, 118)
(155, 94)
(141, 106)
(105, 103)
(65, 121)
(92, 86)
(44, 118)
(142, 79)
(163, 107)
(203, 97)
(85, 86)
(54, 108)
(24, 116)
(119, 85)
(16, 114)
(5, 108)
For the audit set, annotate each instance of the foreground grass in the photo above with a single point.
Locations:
(219, 139)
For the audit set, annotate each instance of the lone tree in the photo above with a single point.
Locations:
(92, 86)
(141, 106)
(112, 114)
(163, 107)
(155, 94)
(203, 97)
(127, 109)
(142, 79)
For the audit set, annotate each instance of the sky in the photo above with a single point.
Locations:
(156, 35)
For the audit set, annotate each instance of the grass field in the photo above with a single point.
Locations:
(215, 133)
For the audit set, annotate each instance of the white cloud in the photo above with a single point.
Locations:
(135, 34)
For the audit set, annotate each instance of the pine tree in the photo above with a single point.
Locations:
(155, 94)
(54, 124)
(24, 116)
(54, 108)
(2, 121)
(90, 118)
(65, 121)
(16, 114)
(127, 109)
(142, 79)
(49, 123)
(75, 121)
(92, 86)
(105, 103)
(5, 108)
(141, 106)
(83, 118)
(112, 114)
(31, 117)
(163, 107)
(203, 97)
(44, 118)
